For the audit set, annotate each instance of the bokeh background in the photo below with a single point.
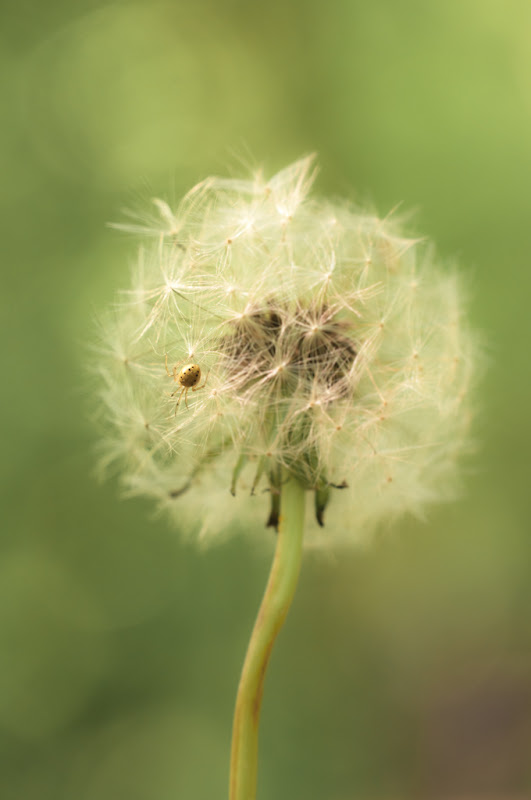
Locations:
(404, 670)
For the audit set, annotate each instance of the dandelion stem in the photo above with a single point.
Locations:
(273, 610)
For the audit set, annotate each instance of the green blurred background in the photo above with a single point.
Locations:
(404, 671)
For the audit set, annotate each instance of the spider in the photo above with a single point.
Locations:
(187, 378)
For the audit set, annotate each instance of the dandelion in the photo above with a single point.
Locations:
(277, 351)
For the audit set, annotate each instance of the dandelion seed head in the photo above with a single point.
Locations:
(335, 347)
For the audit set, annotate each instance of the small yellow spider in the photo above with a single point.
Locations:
(187, 378)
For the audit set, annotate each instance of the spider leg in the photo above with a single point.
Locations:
(179, 400)
(185, 390)
(173, 374)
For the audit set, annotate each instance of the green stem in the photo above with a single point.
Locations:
(275, 605)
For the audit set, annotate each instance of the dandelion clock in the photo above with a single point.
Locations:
(280, 361)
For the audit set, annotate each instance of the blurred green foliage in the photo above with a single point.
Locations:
(404, 670)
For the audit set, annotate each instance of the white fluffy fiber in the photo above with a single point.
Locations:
(332, 345)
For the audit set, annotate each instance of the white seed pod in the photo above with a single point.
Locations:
(335, 350)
